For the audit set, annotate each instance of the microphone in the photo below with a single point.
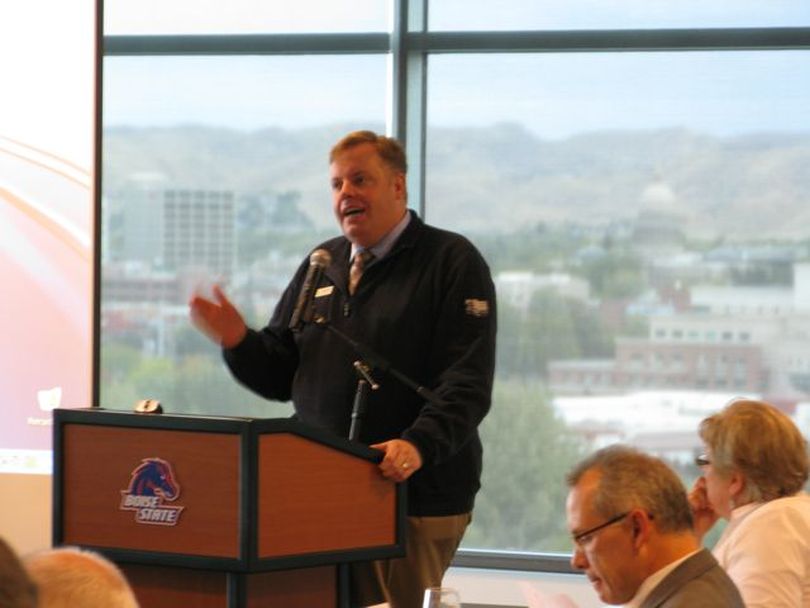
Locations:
(319, 261)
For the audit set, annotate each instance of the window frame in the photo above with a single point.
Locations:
(409, 45)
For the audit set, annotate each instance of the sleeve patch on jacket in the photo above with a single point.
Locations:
(476, 308)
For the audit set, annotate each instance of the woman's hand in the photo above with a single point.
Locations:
(703, 515)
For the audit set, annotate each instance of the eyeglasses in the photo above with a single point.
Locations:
(583, 538)
(702, 460)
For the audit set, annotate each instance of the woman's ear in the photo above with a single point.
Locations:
(736, 486)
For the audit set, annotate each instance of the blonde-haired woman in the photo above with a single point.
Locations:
(754, 469)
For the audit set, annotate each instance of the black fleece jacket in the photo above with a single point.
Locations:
(428, 309)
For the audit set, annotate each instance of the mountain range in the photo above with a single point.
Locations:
(504, 177)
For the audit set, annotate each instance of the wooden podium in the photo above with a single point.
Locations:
(222, 512)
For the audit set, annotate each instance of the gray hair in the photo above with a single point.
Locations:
(631, 479)
(762, 443)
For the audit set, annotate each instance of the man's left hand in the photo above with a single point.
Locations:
(401, 459)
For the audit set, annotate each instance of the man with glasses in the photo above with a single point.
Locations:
(631, 526)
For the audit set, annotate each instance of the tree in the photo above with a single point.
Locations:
(618, 274)
(527, 451)
(194, 384)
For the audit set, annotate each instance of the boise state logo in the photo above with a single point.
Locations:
(152, 485)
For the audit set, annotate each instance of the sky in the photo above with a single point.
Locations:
(553, 95)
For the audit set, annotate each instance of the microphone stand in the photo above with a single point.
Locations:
(371, 360)
(364, 382)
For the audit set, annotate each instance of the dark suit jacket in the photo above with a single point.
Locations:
(699, 582)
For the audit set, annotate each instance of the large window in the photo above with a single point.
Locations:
(215, 171)
(640, 195)
(610, 192)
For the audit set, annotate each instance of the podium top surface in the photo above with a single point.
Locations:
(240, 425)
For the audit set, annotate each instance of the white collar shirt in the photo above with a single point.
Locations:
(765, 549)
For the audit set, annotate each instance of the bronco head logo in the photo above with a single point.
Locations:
(151, 483)
(154, 477)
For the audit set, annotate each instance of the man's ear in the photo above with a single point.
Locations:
(401, 186)
(640, 526)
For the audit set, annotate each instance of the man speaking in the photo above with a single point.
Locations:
(421, 298)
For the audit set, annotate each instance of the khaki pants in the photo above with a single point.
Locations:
(430, 544)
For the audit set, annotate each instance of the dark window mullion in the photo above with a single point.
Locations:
(611, 40)
(247, 44)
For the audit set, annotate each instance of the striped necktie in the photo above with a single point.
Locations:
(359, 262)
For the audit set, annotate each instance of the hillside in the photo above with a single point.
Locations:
(503, 177)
